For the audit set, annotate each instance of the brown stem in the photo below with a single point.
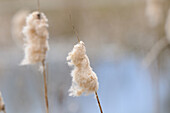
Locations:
(38, 5)
(45, 87)
(98, 102)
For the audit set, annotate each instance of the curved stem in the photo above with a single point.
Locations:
(38, 5)
(98, 102)
(73, 27)
(155, 51)
(45, 87)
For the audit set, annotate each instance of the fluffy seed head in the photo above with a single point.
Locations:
(167, 26)
(36, 38)
(84, 80)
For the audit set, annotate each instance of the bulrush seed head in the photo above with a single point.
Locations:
(36, 38)
(84, 80)
(167, 26)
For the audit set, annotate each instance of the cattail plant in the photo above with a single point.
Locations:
(167, 26)
(36, 44)
(84, 79)
(36, 41)
(2, 104)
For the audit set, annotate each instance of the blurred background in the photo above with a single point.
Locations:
(127, 44)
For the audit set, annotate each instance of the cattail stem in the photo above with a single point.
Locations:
(38, 5)
(97, 97)
(73, 27)
(45, 87)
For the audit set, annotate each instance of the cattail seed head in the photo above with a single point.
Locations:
(84, 80)
(167, 26)
(2, 104)
(36, 41)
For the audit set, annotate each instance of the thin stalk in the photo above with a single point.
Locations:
(4, 111)
(75, 32)
(45, 87)
(73, 27)
(97, 97)
(38, 5)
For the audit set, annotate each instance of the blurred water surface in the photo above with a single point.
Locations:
(117, 38)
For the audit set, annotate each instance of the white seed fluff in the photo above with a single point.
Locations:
(167, 26)
(2, 105)
(18, 22)
(84, 80)
(36, 41)
(154, 12)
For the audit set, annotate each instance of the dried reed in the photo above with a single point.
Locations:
(36, 45)
(84, 79)
(45, 86)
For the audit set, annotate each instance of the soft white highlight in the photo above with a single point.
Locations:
(2, 104)
(84, 80)
(18, 22)
(36, 41)
(167, 26)
(154, 12)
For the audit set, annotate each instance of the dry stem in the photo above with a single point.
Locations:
(154, 52)
(38, 5)
(73, 27)
(45, 86)
(98, 102)
(75, 32)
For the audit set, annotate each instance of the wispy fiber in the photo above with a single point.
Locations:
(36, 45)
(18, 22)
